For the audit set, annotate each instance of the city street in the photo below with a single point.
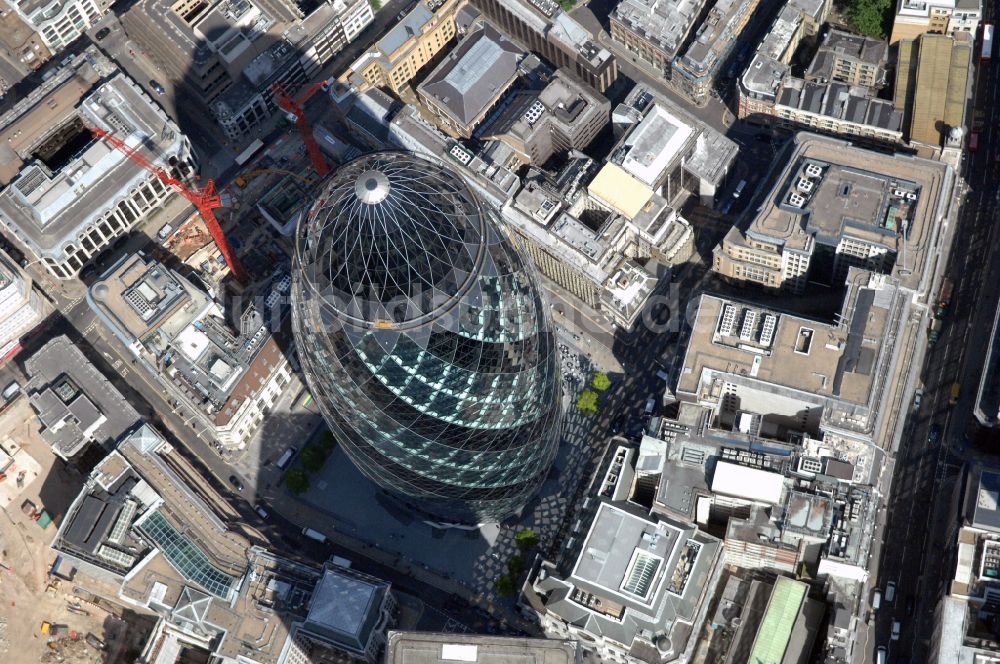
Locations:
(919, 552)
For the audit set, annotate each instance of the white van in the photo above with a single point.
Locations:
(876, 600)
(286, 458)
(881, 655)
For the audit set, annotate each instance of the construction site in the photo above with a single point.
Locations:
(46, 617)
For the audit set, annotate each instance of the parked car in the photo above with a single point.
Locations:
(157, 87)
(102, 33)
(259, 509)
(11, 391)
(890, 591)
(918, 398)
(235, 481)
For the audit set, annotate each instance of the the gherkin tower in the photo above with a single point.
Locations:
(424, 339)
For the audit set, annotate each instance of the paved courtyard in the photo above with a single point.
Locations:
(474, 558)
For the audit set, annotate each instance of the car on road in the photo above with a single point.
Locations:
(261, 512)
(934, 435)
(881, 655)
(890, 591)
(918, 398)
(11, 391)
(910, 605)
(102, 33)
(237, 484)
(895, 630)
(157, 87)
(876, 600)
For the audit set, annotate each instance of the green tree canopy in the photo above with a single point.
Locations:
(586, 403)
(869, 17)
(313, 457)
(505, 586)
(327, 441)
(515, 565)
(601, 381)
(526, 540)
(297, 481)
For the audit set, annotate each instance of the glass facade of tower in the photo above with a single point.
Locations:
(425, 341)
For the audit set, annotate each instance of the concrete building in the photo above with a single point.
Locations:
(837, 95)
(288, 54)
(471, 80)
(228, 377)
(18, 36)
(798, 374)
(837, 109)
(932, 87)
(350, 611)
(20, 307)
(564, 115)
(74, 403)
(771, 65)
(394, 60)
(789, 625)
(606, 242)
(851, 59)
(638, 590)
(965, 617)
(490, 178)
(67, 196)
(833, 206)
(654, 29)
(542, 27)
(696, 68)
(432, 648)
(668, 150)
(146, 524)
(59, 22)
(943, 17)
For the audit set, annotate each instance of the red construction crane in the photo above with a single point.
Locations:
(289, 105)
(205, 199)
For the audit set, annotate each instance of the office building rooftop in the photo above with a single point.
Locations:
(57, 178)
(74, 402)
(662, 22)
(655, 144)
(636, 581)
(841, 101)
(767, 69)
(431, 648)
(345, 607)
(713, 38)
(789, 354)
(829, 190)
(145, 303)
(474, 75)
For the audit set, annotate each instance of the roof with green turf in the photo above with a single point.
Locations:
(779, 619)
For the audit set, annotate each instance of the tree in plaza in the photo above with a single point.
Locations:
(586, 403)
(526, 540)
(327, 441)
(297, 481)
(313, 457)
(505, 586)
(375, 4)
(515, 565)
(601, 382)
